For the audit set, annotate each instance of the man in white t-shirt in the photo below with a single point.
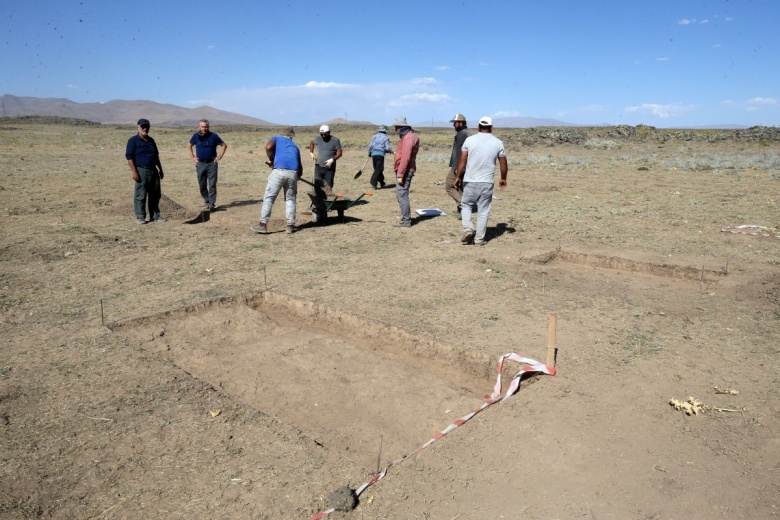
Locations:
(477, 168)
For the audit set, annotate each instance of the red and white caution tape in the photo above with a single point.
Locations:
(529, 367)
(737, 230)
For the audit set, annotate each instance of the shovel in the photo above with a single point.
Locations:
(360, 171)
(319, 188)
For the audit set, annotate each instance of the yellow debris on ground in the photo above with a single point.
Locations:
(693, 406)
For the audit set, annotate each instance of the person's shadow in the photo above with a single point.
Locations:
(498, 230)
(205, 215)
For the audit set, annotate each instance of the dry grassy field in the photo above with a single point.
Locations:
(195, 369)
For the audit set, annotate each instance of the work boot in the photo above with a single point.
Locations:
(261, 228)
(467, 237)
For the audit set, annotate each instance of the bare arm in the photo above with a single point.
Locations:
(270, 150)
(503, 165)
(221, 155)
(159, 166)
(460, 170)
(134, 170)
(192, 153)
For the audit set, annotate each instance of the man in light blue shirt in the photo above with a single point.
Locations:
(377, 148)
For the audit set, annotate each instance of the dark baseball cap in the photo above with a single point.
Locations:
(142, 122)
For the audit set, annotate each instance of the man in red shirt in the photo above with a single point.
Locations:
(405, 165)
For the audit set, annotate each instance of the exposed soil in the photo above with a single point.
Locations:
(194, 369)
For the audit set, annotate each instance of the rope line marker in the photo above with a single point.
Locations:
(736, 230)
(529, 367)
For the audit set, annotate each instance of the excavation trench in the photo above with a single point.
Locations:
(701, 274)
(371, 391)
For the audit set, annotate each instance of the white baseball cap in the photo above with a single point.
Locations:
(324, 128)
(486, 121)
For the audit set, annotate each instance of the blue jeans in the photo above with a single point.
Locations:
(402, 194)
(481, 194)
(147, 190)
(279, 180)
(207, 181)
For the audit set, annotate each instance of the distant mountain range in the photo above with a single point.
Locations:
(122, 112)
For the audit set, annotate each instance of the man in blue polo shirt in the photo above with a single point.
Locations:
(206, 161)
(285, 158)
(144, 160)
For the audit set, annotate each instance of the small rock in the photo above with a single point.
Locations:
(343, 499)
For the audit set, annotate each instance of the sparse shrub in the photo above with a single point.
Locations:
(602, 144)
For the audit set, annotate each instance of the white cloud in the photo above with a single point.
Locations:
(662, 111)
(71, 86)
(210, 47)
(327, 84)
(418, 98)
(317, 101)
(442, 67)
(424, 81)
(759, 103)
(662, 59)
(691, 21)
(507, 113)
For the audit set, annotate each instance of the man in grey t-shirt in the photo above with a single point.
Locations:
(328, 152)
(477, 168)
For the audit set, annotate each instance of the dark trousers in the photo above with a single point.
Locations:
(207, 181)
(324, 174)
(379, 170)
(147, 191)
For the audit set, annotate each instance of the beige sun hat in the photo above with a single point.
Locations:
(400, 121)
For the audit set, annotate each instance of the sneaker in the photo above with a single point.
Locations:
(161, 219)
(374, 186)
(403, 224)
(480, 242)
(261, 228)
(381, 185)
(213, 207)
(467, 237)
(290, 230)
(140, 220)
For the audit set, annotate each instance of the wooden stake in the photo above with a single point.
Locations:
(102, 321)
(552, 351)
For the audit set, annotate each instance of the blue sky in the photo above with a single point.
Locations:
(663, 63)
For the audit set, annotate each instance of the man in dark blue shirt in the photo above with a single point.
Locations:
(285, 158)
(206, 161)
(144, 160)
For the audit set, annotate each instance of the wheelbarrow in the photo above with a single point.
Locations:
(323, 200)
(321, 206)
